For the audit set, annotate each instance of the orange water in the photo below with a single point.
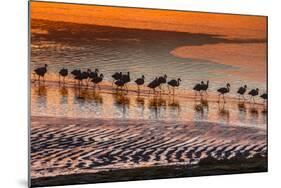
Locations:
(191, 46)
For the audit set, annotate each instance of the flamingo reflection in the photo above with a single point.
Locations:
(223, 113)
(201, 109)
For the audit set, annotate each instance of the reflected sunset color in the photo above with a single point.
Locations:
(129, 94)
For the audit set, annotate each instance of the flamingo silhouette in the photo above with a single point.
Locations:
(153, 84)
(79, 77)
(264, 97)
(162, 80)
(253, 93)
(94, 74)
(126, 79)
(85, 76)
(120, 84)
(116, 76)
(76, 73)
(63, 72)
(197, 88)
(140, 82)
(97, 81)
(174, 83)
(241, 91)
(41, 71)
(222, 91)
(204, 87)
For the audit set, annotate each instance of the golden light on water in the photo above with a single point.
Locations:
(244, 50)
(233, 26)
(87, 103)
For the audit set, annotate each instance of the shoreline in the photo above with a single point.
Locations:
(181, 93)
(129, 120)
(54, 100)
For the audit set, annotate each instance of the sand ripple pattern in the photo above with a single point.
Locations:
(67, 145)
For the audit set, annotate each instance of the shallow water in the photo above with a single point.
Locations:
(149, 53)
(152, 53)
(52, 100)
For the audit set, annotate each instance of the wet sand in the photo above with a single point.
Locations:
(68, 146)
(76, 149)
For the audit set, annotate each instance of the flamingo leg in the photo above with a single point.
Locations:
(162, 89)
(169, 89)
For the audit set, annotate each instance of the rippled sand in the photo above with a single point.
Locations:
(64, 146)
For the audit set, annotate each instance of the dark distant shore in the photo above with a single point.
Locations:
(204, 168)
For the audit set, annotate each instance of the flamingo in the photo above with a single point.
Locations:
(94, 74)
(126, 79)
(153, 84)
(119, 83)
(85, 76)
(162, 80)
(139, 82)
(197, 88)
(116, 76)
(63, 72)
(222, 91)
(75, 73)
(204, 87)
(174, 83)
(253, 93)
(41, 71)
(97, 80)
(78, 76)
(264, 97)
(241, 91)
